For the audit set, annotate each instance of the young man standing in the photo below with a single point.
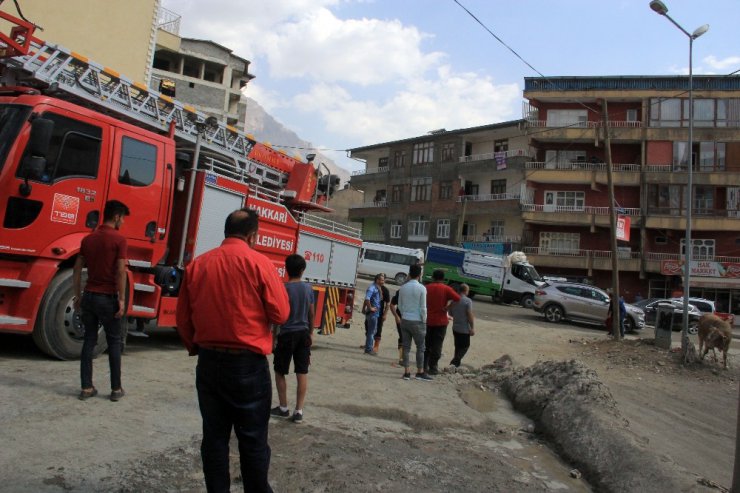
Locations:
(295, 339)
(412, 306)
(439, 297)
(104, 252)
(462, 324)
(229, 297)
(371, 309)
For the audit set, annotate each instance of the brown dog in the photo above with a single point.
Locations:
(714, 333)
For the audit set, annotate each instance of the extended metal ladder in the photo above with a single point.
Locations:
(111, 92)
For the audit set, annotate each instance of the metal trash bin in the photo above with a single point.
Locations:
(664, 326)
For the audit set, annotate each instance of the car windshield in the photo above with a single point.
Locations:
(531, 272)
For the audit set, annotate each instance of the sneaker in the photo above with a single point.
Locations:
(117, 395)
(371, 353)
(86, 394)
(279, 413)
(424, 377)
(297, 417)
(433, 371)
(407, 376)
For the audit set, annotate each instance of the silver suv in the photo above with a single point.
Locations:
(582, 303)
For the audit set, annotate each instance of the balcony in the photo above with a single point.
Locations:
(582, 172)
(669, 174)
(368, 175)
(574, 215)
(582, 259)
(702, 219)
(375, 208)
(376, 237)
(500, 203)
(586, 130)
(494, 156)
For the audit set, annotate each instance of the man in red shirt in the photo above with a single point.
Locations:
(439, 297)
(229, 297)
(104, 252)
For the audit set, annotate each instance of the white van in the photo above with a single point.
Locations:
(393, 261)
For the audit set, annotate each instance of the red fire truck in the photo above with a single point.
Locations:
(74, 134)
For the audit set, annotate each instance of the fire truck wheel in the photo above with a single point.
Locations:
(58, 331)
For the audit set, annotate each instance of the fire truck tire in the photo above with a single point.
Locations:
(58, 331)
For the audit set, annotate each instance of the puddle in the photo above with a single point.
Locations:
(495, 406)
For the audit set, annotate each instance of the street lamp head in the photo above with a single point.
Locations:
(659, 7)
(699, 31)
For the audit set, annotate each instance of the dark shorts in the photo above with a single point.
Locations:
(296, 346)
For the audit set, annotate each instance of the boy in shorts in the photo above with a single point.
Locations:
(295, 340)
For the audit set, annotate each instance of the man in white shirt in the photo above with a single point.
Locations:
(412, 306)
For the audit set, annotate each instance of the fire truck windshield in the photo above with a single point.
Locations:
(12, 117)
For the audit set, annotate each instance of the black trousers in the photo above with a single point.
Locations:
(434, 340)
(234, 391)
(99, 308)
(462, 344)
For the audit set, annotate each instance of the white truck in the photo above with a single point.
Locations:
(506, 278)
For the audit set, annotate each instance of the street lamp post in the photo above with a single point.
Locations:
(661, 9)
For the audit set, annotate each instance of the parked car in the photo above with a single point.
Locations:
(580, 303)
(651, 306)
(708, 306)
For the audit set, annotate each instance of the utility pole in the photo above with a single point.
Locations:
(616, 323)
(461, 194)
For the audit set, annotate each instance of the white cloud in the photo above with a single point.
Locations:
(730, 62)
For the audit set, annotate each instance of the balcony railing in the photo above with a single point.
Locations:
(370, 171)
(488, 198)
(491, 239)
(555, 252)
(169, 21)
(494, 155)
(657, 257)
(599, 211)
(586, 124)
(700, 212)
(368, 205)
(373, 237)
(580, 166)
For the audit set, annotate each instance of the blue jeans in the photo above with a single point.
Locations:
(234, 391)
(371, 326)
(98, 308)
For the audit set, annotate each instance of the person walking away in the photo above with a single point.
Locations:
(104, 252)
(385, 296)
(294, 340)
(622, 315)
(393, 306)
(439, 297)
(463, 324)
(371, 309)
(412, 306)
(228, 299)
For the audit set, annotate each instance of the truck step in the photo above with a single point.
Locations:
(142, 309)
(147, 288)
(14, 283)
(139, 263)
(7, 320)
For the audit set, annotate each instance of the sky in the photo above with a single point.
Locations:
(350, 73)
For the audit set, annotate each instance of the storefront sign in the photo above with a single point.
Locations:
(623, 228)
(702, 268)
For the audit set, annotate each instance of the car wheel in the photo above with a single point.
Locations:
(400, 278)
(527, 301)
(553, 313)
(629, 325)
(693, 327)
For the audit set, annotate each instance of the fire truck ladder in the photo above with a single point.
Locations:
(110, 91)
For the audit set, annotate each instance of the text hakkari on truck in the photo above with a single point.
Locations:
(74, 134)
(507, 278)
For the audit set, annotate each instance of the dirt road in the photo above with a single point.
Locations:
(365, 429)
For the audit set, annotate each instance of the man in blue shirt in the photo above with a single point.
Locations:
(371, 309)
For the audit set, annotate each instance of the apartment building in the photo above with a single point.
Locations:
(566, 216)
(205, 74)
(459, 186)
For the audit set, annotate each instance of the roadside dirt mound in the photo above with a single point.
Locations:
(577, 412)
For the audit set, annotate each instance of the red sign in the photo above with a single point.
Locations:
(623, 228)
(65, 209)
(702, 268)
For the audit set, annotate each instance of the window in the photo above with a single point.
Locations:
(711, 156)
(665, 199)
(501, 145)
(497, 228)
(443, 228)
(703, 200)
(74, 149)
(399, 159)
(661, 240)
(138, 163)
(423, 153)
(396, 228)
(498, 187)
(701, 249)
(396, 193)
(631, 115)
(563, 159)
(445, 190)
(418, 228)
(555, 242)
(379, 196)
(565, 200)
(383, 162)
(471, 188)
(448, 152)
(421, 189)
(469, 230)
(674, 112)
(567, 118)
(665, 112)
(703, 112)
